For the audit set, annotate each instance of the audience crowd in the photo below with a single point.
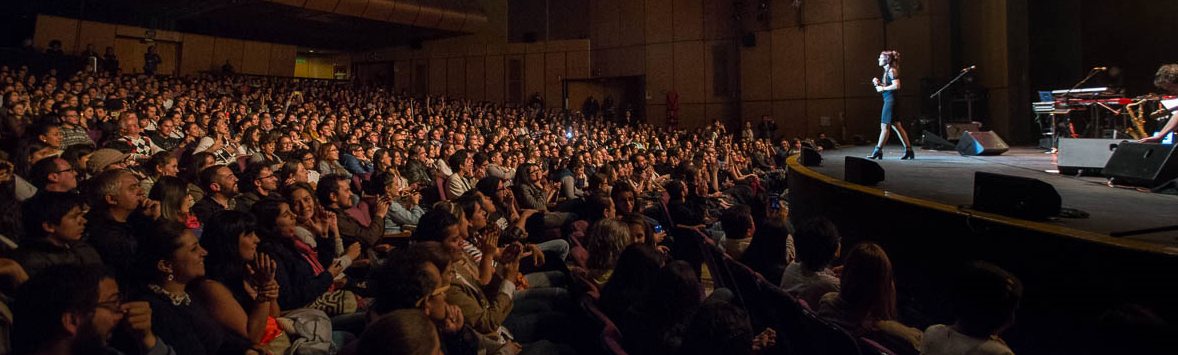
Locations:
(259, 215)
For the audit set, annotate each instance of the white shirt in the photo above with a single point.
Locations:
(809, 288)
(941, 339)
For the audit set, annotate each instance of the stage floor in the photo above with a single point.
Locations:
(947, 177)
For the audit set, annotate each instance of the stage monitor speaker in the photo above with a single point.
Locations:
(810, 157)
(862, 171)
(930, 140)
(1084, 156)
(953, 130)
(1014, 196)
(1142, 164)
(981, 143)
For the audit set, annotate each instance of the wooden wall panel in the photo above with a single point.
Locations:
(130, 53)
(752, 110)
(816, 110)
(911, 37)
(722, 71)
(692, 116)
(352, 7)
(321, 5)
(577, 64)
(822, 11)
(554, 72)
(606, 23)
(656, 115)
(533, 74)
(863, 116)
(256, 59)
(718, 23)
(789, 64)
(725, 112)
(196, 54)
(940, 44)
(282, 59)
(756, 71)
(437, 76)
(659, 69)
(687, 21)
(101, 35)
(790, 116)
(783, 15)
(476, 79)
(229, 49)
(169, 57)
(49, 28)
(402, 76)
(861, 9)
(378, 10)
(689, 71)
(862, 42)
(631, 23)
(658, 21)
(496, 81)
(824, 60)
(456, 77)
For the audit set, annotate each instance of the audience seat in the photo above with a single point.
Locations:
(871, 347)
(819, 336)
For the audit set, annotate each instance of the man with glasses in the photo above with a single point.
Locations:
(73, 129)
(257, 182)
(73, 309)
(54, 175)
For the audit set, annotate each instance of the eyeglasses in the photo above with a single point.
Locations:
(437, 292)
(267, 177)
(115, 306)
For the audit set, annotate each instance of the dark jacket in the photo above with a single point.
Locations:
(207, 206)
(296, 278)
(116, 242)
(36, 255)
(416, 171)
(246, 201)
(190, 329)
(351, 230)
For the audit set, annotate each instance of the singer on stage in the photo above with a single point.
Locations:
(890, 61)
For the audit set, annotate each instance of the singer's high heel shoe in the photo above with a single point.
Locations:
(877, 154)
(908, 154)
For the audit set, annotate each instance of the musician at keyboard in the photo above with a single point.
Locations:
(1166, 79)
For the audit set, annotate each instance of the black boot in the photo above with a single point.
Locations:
(908, 154)
(877, 154)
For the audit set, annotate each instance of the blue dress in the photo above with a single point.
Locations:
(889, 100)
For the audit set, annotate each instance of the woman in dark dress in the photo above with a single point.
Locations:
(890, 61)
(167, 262)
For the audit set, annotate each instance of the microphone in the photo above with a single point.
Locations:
(972, 67)
(1100, 68)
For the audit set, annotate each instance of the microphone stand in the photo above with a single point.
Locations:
(1067, 96)
(940, 111)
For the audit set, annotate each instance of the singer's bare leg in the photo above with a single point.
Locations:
(883, 135)
(903, 135)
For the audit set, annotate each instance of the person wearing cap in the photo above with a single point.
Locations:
(106, 159)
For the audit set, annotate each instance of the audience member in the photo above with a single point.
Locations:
(984, 299)
(810, 277)
(865, 304)
(54, 226)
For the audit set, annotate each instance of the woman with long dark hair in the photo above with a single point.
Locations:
(866, 302)
(167, 262)
(239, 288)
(890, 61)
